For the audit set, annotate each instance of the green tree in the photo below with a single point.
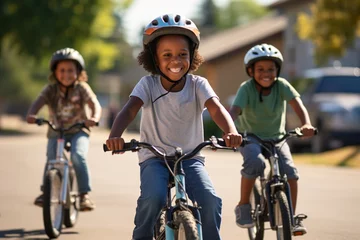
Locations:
(331, 27)
(32, 30)
(239, 12)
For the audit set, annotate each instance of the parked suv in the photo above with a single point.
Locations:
(332, 97)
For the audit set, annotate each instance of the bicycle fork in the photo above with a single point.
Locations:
(277, 184)
(180, 200)
(63, 166)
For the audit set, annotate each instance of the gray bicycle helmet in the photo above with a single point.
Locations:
(262, 52)
(67, 54)
(171, 24)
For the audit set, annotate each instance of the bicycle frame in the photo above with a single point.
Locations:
(274, 190)
(181, 199)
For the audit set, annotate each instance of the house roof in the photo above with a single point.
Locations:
(235, 38)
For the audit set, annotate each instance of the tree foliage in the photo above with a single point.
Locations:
(239, 12)
(331, 27)
(32, 30)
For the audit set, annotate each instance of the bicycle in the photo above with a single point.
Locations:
(61, 200)
(270, 198)
(180, 220)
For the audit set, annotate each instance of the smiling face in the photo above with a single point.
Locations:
(173, 56)
(66, 72)
(264, 72)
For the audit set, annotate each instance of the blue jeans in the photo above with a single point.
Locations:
(254, 160)
(79, 149)
(154, 177)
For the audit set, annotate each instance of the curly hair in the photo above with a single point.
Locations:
(145, 58)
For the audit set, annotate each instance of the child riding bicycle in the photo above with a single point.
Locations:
(260, 107)
(172, 101)
(67, 95)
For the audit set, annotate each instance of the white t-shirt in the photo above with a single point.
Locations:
(174, 120)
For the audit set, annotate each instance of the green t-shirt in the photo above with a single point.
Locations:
(266, 119)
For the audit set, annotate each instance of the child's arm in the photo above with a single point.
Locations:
(223, 119)
(302, 113)
(34, 109)
(95, 107)
(235, 111)
(122, 120)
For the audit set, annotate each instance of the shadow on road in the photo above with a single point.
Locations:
(22, 233)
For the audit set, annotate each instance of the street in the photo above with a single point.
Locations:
(329, 196)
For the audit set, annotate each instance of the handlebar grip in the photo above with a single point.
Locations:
(221, 142)
(105, 148)
(316, 131)
(127, 146)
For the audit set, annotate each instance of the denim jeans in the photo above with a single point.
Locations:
(154, 177)
(79, 149)
(254, 160)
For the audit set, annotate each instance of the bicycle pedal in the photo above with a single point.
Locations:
(298, 233)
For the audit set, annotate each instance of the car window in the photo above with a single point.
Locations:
(339, 84)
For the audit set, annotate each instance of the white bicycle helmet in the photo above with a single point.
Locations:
(262, 52)
(171, 24)
(67, 54)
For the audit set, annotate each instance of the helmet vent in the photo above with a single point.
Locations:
(155, 22)
(262, 48)
(188, 22)
(177, 18)
(255, 53)
(166, 18)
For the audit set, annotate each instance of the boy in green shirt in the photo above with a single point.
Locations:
(260, 108)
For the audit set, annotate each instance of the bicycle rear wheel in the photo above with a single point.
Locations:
(256, 232)
(53, 209)
(71, 212)
(282, 217)
(185, 226)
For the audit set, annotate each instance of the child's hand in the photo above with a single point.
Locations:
(31, 118)
(115, 143)
(308, 130)
(232, 139)
(90, 122)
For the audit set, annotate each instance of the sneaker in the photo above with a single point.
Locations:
(299, 229)
(39, 201)
(243, 216)
(85, 203)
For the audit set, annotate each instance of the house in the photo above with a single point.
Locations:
(224, 52)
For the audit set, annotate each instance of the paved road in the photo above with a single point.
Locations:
(330, 196)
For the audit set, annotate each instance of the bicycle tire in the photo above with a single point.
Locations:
(159, 228)
(52, 218)
(185, 226)
(256, 232)
(71, 214)
(282, 217)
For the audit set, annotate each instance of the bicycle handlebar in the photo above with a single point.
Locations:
(134, 145)
(292, 133)
(41, 121)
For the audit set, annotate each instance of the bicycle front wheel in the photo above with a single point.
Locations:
(159, 229)
(257, 231)
(185, 226)
(52, 207)
(282, 217)
(71, 211)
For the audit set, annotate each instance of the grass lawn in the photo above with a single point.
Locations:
(343, 157)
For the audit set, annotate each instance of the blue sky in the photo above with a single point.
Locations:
(143, 11)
